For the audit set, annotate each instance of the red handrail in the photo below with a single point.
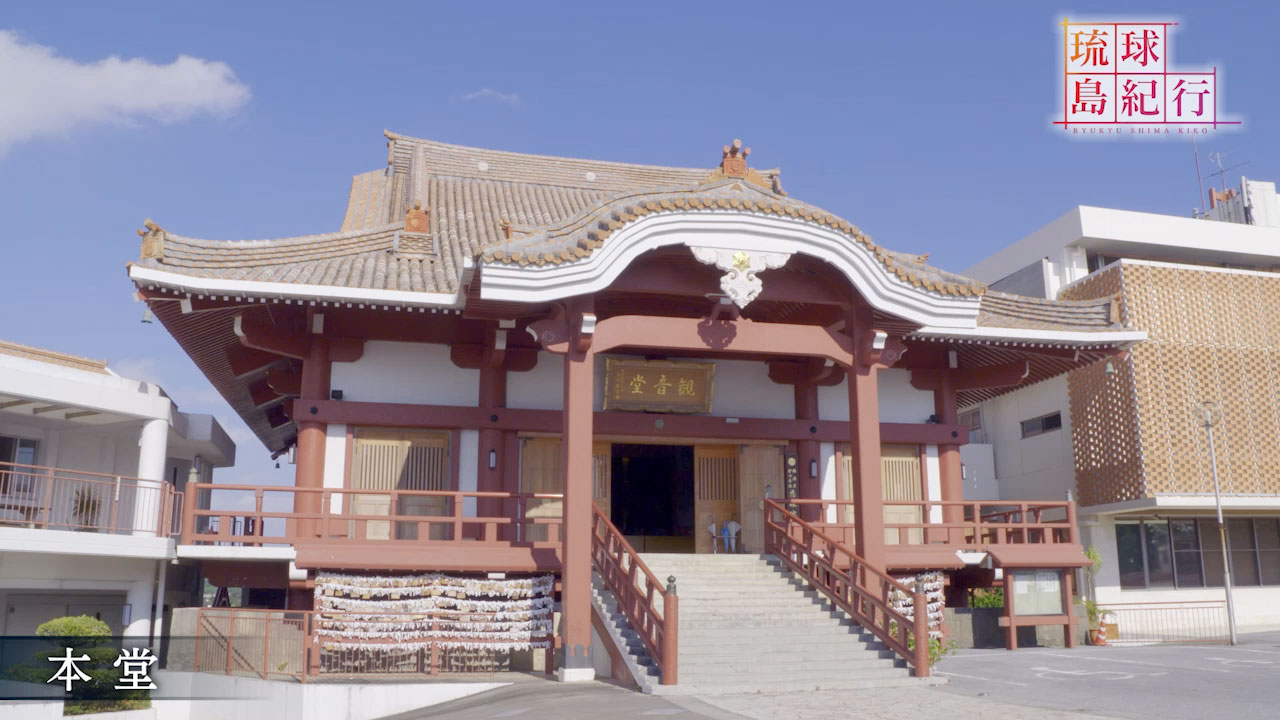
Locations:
(619, 565)
(327, 525)
(979, 523)
(863, 591)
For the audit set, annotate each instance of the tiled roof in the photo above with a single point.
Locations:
(1017, 311)
(504, 207)
(53, 358)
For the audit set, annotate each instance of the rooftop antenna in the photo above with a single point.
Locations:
(1199, 179)
(1216, 157)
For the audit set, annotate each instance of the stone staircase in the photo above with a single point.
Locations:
(749, 625)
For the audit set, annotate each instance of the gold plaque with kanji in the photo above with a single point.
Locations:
(658, 385)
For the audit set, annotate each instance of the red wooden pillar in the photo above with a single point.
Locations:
(311, 434)
(493, 399)
(575, 623)
(951, 475)
(808, 452)
(864, 444)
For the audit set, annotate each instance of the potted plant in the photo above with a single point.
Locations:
(1097, 633)
(86, 509)
(1094, 613)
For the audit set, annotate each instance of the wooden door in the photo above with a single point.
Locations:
(540, 464)
(715, 492)
(901, 478)
(391, 459)
(541, 472)
(759, 467)
(602, 476)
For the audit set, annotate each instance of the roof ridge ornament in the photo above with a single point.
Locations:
(734, 161)
(733, 165)
(417, 219)
(153, 237)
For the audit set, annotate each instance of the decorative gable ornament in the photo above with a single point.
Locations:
(740, 281)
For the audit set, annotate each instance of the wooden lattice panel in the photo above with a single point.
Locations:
(1213, 335)
(1105, 437)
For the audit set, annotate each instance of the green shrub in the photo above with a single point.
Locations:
(988, 598)
(85, 636)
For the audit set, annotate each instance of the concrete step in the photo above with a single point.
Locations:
(711, 665)
(768, 672)
(758, 686)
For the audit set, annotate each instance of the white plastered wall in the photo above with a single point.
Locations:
(335, 462)
(899, 401)
(830, 476)
(404, 372)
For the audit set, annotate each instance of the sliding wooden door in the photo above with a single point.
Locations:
(901, 479)
(391, 459)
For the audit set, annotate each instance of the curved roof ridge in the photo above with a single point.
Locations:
(394, 136)
(283, 241)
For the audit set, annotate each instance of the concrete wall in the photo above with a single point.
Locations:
(252, 697)
(979, 463)
(1041, 467)
(42, 586)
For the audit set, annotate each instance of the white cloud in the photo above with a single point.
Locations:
(511, 100)
(145, 369)
(44, 94)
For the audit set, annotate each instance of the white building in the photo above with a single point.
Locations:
(1122, 436)
(92, 471)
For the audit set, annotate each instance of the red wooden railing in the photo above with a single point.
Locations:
(60, 499)
(861, 590)
(302, 644)
(256, 515)
(962, 525)
(651, 610)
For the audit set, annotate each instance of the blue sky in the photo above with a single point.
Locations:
(926, 124)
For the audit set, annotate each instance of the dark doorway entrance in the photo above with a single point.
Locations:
(653, 496)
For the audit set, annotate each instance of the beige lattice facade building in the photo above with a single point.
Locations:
(1122, 436)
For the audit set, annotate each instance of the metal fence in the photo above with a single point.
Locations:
(1166, 622)
(307, 645)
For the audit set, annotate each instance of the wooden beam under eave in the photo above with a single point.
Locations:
(15, 403)
(247, 361)
(80, 414)
(978, 378)
(47, 408)
(285, 380)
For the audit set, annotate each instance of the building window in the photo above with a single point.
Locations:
(1187, 552)
(1041, 425)
(973, 420)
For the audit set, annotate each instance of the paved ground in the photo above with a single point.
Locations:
(535, 699)
(1170, 682)
(1147, 683)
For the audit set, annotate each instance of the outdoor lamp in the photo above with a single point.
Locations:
(493, 458)
(813, 468)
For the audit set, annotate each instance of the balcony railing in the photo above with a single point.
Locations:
(255, 515)
(32, 496)
(957, 525)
